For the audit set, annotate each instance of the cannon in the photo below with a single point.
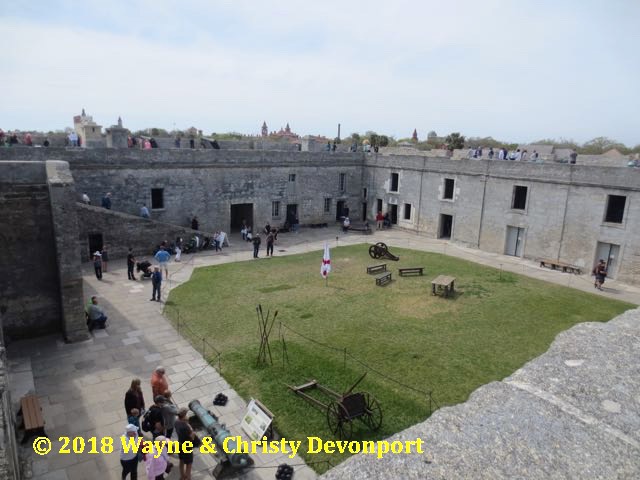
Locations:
(380, 250)
(228, 463)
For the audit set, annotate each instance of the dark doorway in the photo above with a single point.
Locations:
(378, 205)
(95, 243)
(446, 225)
(292, 213)
(339, 209)
(364, 211)
(393, 213)
(239, 213)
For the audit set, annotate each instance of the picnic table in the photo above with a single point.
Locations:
(443, 283)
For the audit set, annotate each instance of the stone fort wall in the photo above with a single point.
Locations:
(563, 215)
(41, 284)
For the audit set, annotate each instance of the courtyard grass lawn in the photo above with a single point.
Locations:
(495, 324)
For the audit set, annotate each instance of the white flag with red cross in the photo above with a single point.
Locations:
(326, 262)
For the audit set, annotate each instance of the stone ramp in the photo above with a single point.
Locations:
(573, 412)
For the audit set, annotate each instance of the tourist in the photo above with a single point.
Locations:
(296, 223)
(97, 318)
(333, 147)
(501, 154)
(134, 419)
(134, 399)
(156, 283)
(256, 245)
(216, 241)
(471, 152)
(600, 271)
(346, 224)
(491, 153)
(178, 249)
(131, 262)
(267, 229)
(270, 240)
(147, 144)
(185, 434)
(192, 142)
(328, 147)
(28, 140)
(379, 220)
(73, 139)
(387, 221)
(46, 143)
(163, 257)
(129, 456)
(573, 158)
(97, 264)
(157, 465)
(177, 141)
(154, 419)
(85, 199)
(534, 156)
(524, 156)
(243, 232)
(194, 224)
(106, 201)
(249, 235)
(144, 211)
(129, 141)
(169, 412)
(105, 259)
(159, 382)
(153, 142)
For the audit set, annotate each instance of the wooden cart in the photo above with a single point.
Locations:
(342, 409)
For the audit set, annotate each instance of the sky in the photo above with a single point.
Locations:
(518, 70)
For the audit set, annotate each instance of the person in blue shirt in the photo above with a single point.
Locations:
(144, 211)
(163, 257)
(156, 281)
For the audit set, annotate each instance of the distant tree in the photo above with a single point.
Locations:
(559, 143)
(337, 141)
(432, 134)
(383, 141)
(355, 137)
(158, 132)
(600, 145)
(454, 141)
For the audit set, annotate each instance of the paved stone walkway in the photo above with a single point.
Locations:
(81, 386)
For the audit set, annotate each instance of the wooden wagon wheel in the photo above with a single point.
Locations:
(373, 413)
(373, 251)
(338, 421)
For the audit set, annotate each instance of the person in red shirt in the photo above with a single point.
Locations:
(159, 383)
(379, 220)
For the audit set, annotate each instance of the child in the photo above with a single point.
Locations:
(134, 419)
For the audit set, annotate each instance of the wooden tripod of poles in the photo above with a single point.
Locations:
(265, 324)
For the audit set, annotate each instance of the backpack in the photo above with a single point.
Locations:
(150, 419)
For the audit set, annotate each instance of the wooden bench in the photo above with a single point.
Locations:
(32, 419)
(410, 271)
(377, 268)
(443, 283)
(362, 229)
(557, 264)
(383, 279)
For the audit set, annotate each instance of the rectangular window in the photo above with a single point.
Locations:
(327, 205)
(615, 208)
(394, 182)
(519, 200)
(407, 211)
(448, 189)
(292, 177)
(379, 205)
(343, 182)
(157, 198)
(364, 193)
(275, 209)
